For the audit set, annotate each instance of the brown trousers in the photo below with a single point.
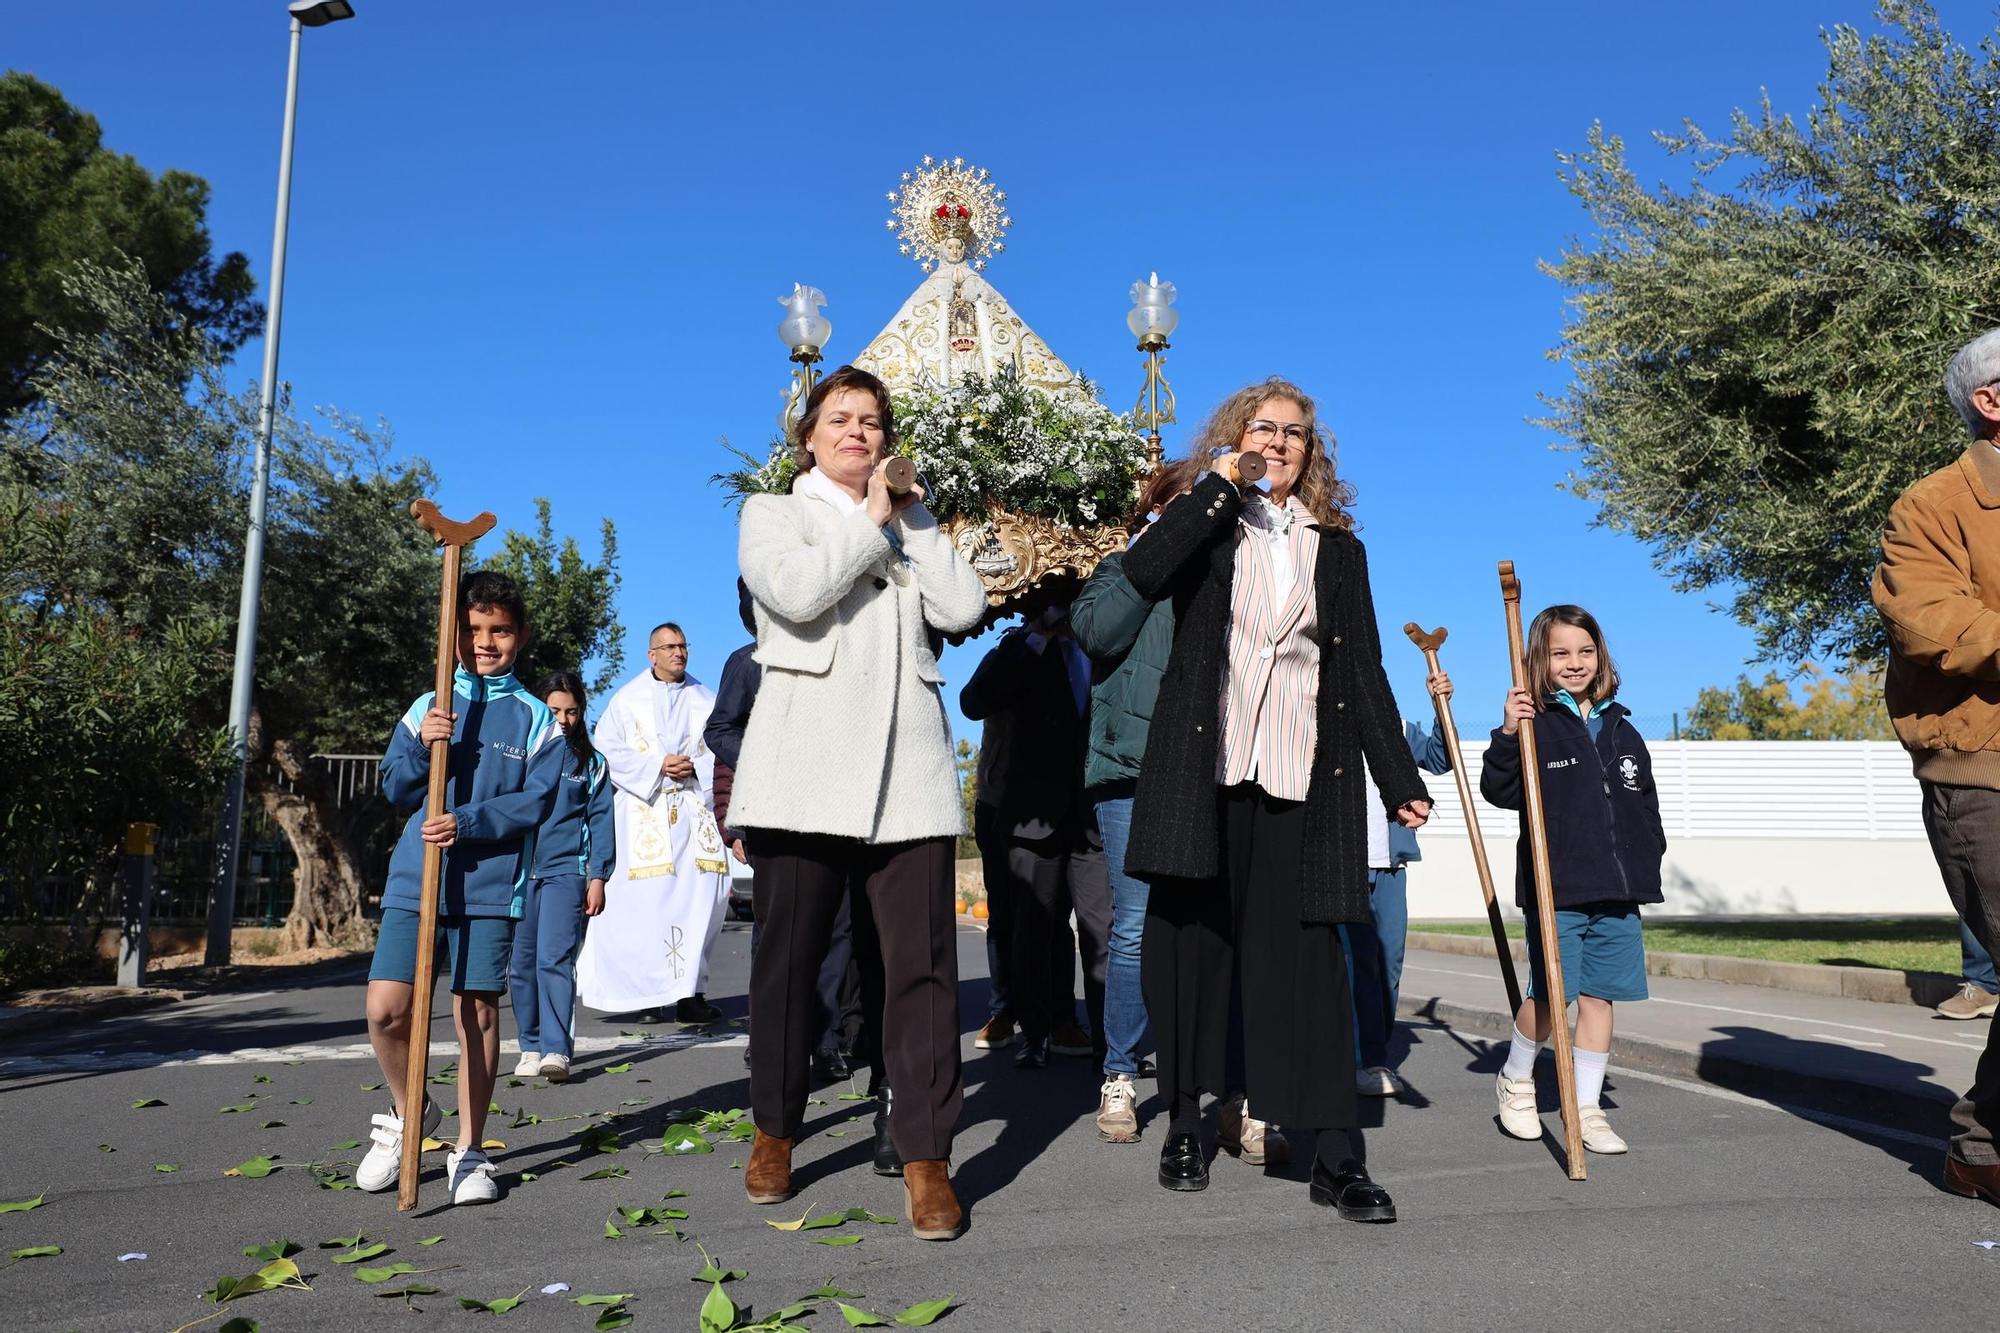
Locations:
(800, 880)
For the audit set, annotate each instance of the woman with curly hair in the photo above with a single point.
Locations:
(1249, 819)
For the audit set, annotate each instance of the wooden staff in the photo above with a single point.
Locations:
(1545, 910)
(1430, 643)
(454, 538)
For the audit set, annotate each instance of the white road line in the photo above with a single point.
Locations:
(1848, 1041)
(112, 1061)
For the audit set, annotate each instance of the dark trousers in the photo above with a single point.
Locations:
(1008, 884)
(1049, 878)
(1964, 828)
(838, 987)
(801, 878)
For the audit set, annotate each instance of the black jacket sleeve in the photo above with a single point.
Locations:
(999, 678)
(1650, 792)
(735, 694)
(1185, 527)
(1383, 743)
(1500, 775)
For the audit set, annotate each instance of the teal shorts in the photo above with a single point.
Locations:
(479, 950)
(1603, 953)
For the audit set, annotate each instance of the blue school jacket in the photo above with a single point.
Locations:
(578, 837)
(506, 761)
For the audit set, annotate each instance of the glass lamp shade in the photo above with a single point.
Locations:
(803, 325)
(1152, 314)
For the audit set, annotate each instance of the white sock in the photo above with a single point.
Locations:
(1590, 1075)
(1520, 1057)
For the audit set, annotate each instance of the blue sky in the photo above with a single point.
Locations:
(545, 242)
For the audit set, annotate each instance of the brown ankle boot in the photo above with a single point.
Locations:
(768, 1178)
(934, 1210)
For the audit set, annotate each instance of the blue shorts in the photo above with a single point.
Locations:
(480, 949)
(1603, 953)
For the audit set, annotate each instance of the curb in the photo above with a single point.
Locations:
(1878, 984)
(58, 1017)
(1911, 1111)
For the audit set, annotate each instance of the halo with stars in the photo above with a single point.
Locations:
(943, 198)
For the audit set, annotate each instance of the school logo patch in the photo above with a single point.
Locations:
(1628, 769)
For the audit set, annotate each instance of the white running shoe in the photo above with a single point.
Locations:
(1378, 1081)
(529, 1065)
(471, 1177)
(1598, 1136)
(384, 1162)
(555, 1068)
(1519, 1115)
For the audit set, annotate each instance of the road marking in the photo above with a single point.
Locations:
(99, 1062)
(1848, 1041)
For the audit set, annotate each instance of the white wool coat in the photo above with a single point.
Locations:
(849, 735)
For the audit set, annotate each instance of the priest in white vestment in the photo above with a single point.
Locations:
(665, 901)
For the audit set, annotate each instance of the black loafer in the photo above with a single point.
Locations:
(830, 1065)
(1349, 1192)
(1183, 1165)
(888, 1162)
(1034, 1054)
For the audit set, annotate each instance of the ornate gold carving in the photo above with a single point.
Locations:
(1016, 553)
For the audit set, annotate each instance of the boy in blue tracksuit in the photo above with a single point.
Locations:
(505, 760)
(574, 853)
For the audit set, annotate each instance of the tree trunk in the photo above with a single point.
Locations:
(327, 891)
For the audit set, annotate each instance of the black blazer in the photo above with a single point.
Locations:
(1190, 555)
(1031, 754)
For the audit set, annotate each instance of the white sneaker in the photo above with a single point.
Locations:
(555, 1068)
(1117, 1122)
(1598, 1136)
(1379, 1081)
(471, 1177)
(529, 1065)
(384, 1162)
(1519, 1115)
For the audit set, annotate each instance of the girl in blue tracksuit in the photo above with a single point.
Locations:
(573, 857)
(1602, 813)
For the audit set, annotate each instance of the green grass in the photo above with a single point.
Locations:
(1908, 943)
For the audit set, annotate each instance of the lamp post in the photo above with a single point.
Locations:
(805, 331)
(222, 907)
(1152, 320)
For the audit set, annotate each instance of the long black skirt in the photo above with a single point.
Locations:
(1298, 1012)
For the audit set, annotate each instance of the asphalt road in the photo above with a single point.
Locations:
(1728, 1212)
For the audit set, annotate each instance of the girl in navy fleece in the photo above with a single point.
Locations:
(1605, 844)
(574, 847)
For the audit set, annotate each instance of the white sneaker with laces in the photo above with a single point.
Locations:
(555, 1068)
(1598, 1136)
(384, 1163)
(1519, 1115)
(471, 1177)
(529, 1065)
(1378, 1081)
(1117, 1121)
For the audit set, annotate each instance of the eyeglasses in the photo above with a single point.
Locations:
(1264, 432)
(669, 648)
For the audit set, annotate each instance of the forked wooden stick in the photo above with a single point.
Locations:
(454, 538)
(1430, 643)
(1545, 910)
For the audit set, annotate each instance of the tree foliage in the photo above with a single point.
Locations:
(1847, 707)
(571, 603)
(65, 198)
(1756, 355)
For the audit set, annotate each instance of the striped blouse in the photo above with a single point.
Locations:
(1270, 681)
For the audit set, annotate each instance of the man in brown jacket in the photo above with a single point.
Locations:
(1938, 590)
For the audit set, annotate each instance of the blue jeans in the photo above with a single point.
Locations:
(1977, 964)
(1375, 964)
(1124, 1005)
(543, 973)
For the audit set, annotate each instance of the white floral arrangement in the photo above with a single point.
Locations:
(983, 444)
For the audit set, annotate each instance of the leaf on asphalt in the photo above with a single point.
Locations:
(255, 1169)
(434, 1145)
(302, 1101)
(105, 1147)
(616, 1317)
(624, 1068)
(261, 1078)
(675, 1194)
(166, 1168)
(619, 1299)
(501, 1306)
(832, 1293)
(685, 1139)
(855, 1097)
(360, 1252)
(611, 1231)
(714, 1274)
(383, 1274)
(836, 1133)
(349, 1146)
(924, 1313)
(735, 1165)
(272, 1124)
(430, 1240)
(25, 1204)
(240, 1325)
(849, 1239)
(858, 1317)
(608, 1173)
(530, 1175)
(332, 1180)
(718, 1312)
(145, 1102)
(342, 1242)
(272, 1276)
(635, 1101)
(413, 1289)
(371, 1087)
(600, 1138)
(239, 1108)
(493, 1144)
(36, 1252)
(277, 1249)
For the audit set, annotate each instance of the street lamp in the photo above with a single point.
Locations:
(804, 330)
(1152, 319)
(222, 907)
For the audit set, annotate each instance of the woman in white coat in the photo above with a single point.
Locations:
(847, 778)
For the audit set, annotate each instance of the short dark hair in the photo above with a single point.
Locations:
(847, 377)
(1541, 682)
(746, 607)
(491, 590)
(664, 624)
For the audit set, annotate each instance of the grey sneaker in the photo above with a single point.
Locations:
(1117, 1121)
(1971, 1001)
(1257, 1142)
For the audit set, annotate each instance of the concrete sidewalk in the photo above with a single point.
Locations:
(1892, 1063)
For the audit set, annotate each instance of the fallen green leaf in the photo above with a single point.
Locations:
(714, 1274)
(858, 1317)
(832, 1293)
(608, 1173)
(614, 1318)
(342, 1242)
(430, 1240)
(278, 1273)
(619, 1299)
(624, 1068)
(25, 1204)
(406, 1292)
(611, 1231)
(302, 1101)
(332, 1180)
(383, 1274)
(36, 1252)
(718, 1312)
(371, 1087)
(239, 1107)
(855, 1097)
(272, 1124)
(360, 1252)
(685, 1139)
(501, 1306)
(924, 1313)
(261, 1078)
(240, 1325)
(849, 1239)
(166, 1168)
(600, 1138)
(105, 1147)
(255, 1169)
(349, 1146)
(145, 1102)
(277, 1249)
